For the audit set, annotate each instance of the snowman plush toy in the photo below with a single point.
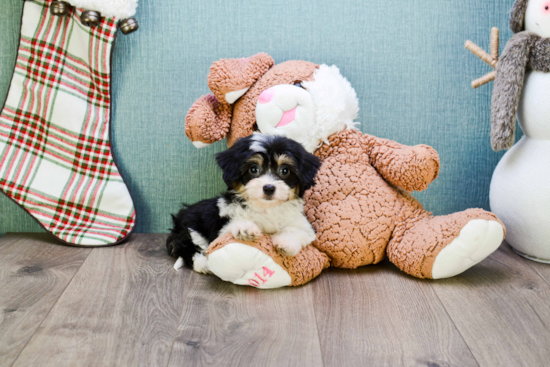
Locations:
(520, 188)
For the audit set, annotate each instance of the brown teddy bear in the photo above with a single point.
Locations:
(360, 207)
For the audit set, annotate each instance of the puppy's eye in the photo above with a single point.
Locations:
(254, 170)
(299, 85)
(284, 170)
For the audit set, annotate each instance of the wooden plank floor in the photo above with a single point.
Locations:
(125, 306)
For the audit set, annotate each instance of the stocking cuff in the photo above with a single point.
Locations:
(108, 8)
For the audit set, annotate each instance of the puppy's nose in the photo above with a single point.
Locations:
(269, 190)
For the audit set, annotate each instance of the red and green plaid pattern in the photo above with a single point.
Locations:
(55, 154)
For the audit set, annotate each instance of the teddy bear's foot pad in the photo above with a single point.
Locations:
(478, 239)
(245, 265)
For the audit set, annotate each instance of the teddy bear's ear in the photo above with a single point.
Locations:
(208, 121)
(229, 79)
(209, 118)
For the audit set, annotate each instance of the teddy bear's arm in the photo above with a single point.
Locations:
(410, 168)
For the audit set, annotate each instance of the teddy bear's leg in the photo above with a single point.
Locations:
(258, 264)
(445, 246)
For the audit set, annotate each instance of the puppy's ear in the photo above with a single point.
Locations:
(309, 166)
(233, 159)
(229, 79)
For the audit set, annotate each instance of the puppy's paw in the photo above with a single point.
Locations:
(246, 231)
(286, 246)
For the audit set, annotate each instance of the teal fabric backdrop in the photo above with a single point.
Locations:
(406, 60)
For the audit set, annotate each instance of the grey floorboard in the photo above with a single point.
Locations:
(34, 272)
(121, 309)
(125, 306)
(228, 325)
(502, 309)
(379, 316)
(543, 270)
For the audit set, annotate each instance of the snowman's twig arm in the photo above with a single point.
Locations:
(495, 42)
(484, 79)
(478, 51)
(507, 89)
(491, 59)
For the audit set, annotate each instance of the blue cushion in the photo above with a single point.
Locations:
(406, 60)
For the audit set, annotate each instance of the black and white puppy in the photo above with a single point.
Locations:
(266, 177)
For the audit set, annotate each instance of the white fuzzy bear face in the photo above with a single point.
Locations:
(309, 112)
(285, 110)
(537, 17)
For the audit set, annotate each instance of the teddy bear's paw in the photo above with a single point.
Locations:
(245, 231)
(246, 265)
(478, 239)
(286, 245)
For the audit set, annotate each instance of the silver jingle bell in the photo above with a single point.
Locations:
(60, 8)
(90, 18)
(129, 25)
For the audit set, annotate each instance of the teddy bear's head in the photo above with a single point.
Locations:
(297, 99)
(532, 16)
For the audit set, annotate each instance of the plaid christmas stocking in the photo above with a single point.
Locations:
(55, 155)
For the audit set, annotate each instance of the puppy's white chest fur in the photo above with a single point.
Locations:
(269, 220)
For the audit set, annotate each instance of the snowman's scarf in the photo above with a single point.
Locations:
(524, 52)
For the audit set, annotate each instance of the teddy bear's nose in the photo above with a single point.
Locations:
(266, 96)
